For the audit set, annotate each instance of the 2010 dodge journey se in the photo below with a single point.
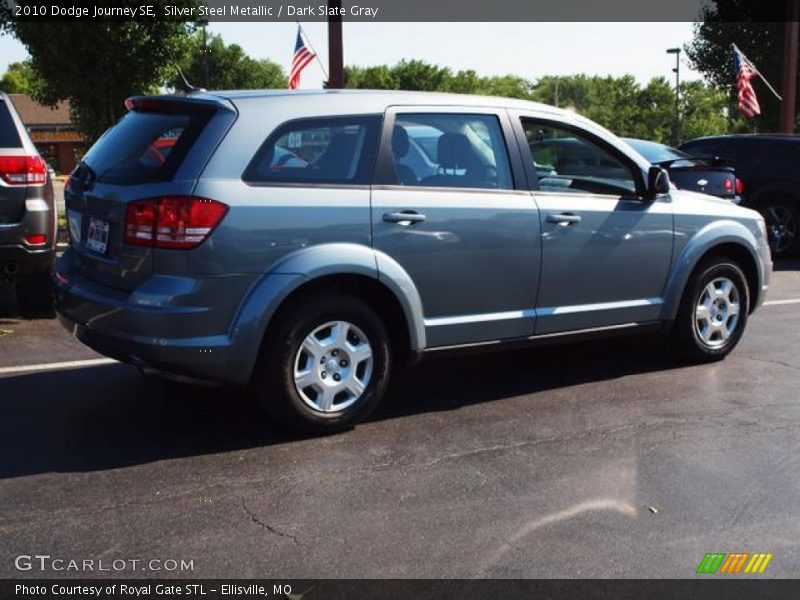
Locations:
(304, 243)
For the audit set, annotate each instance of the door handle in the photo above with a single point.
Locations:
(563, 219)
(403, 217)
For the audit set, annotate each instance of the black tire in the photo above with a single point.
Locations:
(35, 294)
(273, 382)
(783, 225)
(686, 333)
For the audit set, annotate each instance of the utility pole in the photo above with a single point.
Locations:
(676, 127)
(205, 56)
(335, 52)
(789, 90)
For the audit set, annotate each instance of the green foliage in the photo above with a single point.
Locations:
(98, 65)
(618, 103)
(757, 29)
(20, 78)
(229, 67)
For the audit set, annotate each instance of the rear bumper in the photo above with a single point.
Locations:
(21, 260)
(174, 324)
(15, 255)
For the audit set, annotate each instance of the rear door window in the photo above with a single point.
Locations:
(9, 138)
(336, 150)
(145, 147)
(450, 150)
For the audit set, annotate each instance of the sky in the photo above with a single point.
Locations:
(530, 50)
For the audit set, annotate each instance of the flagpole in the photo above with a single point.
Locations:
(314, 50)
(757, 72)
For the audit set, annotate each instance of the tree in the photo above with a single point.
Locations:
(703, 110)
(757, 29)
(419, 75)
(19, 78)
(97, 65)
(229, 67)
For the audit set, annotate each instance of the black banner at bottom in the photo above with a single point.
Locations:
(390, 589)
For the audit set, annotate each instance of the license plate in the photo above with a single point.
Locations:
(97, 238)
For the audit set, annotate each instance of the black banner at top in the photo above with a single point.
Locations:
(391, 10)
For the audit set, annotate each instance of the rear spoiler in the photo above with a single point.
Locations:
(711, 161)
(178, 104)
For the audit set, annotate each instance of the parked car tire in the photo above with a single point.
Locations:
(783, 224)
(35, 292)
(326, 364)
(713, 312)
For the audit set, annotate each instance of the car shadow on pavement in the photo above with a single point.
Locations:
(786, 265)
(111, 416)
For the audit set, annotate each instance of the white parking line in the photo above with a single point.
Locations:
(777, 302)
(71, 364)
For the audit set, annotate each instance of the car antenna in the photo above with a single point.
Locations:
(185, 86)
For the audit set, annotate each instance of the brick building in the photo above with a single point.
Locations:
(52, 131)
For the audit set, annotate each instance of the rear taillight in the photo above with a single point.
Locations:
(23, 170)
(177, 222)
(36, 239)
(739, 187)
(727, 183)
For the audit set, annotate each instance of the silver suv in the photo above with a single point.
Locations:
(27, 214)
(305, 243)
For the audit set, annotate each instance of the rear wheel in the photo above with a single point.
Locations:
(713, 312)
(326, 365)
(782, 221)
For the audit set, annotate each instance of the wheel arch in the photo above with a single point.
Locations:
(724, 239)
(350, 268)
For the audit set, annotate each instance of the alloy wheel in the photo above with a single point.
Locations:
(333, 366)
(717, 311)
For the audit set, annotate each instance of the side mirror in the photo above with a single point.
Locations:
(657, 182)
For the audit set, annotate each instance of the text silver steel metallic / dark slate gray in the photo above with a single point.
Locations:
(447, 216)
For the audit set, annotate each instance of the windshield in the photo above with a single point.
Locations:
(657, 153)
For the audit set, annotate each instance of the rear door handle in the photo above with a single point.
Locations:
(404, 217)
(563, 219)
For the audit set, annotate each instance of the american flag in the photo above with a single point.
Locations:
(302, 56)
(748, 102)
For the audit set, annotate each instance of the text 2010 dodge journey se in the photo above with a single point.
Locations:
(304, 243)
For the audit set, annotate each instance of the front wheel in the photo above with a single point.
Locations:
(713, 312)
(326, 364)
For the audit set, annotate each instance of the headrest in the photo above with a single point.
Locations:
(454, 150)
(399, 142)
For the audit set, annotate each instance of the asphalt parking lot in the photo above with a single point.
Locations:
(604, 459)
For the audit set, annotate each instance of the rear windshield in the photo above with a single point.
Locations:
(144, 147)
(9, 138)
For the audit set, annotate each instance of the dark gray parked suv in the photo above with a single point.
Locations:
(304, 243)
(27, 214)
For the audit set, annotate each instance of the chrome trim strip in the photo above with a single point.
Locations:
(579, 308)
(543, 336)
(481, 318)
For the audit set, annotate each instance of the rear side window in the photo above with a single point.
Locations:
(336, 150)
(450, 150)
(145, 147)
(9, 138)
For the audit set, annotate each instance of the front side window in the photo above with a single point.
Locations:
(450, 150)
(339, 150)
(567, 162)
